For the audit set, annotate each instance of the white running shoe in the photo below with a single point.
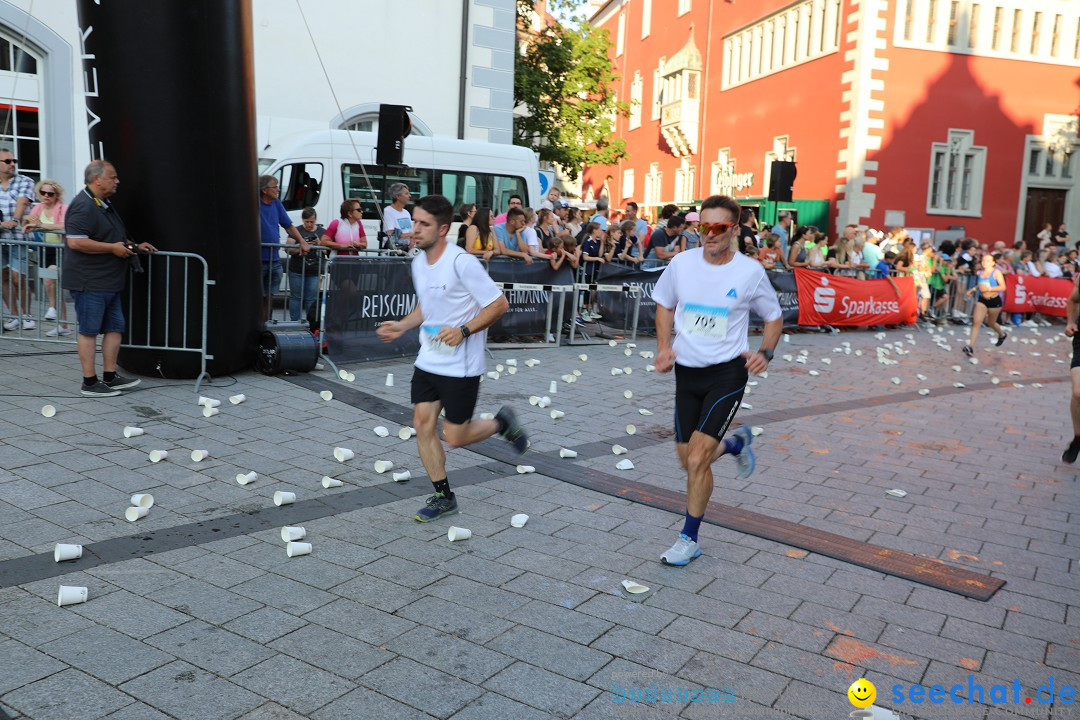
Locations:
(51, 314)
(12, 324)
(57, 331)
(682, 552)
(28, 324)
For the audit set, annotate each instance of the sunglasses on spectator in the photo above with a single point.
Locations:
(715, 228)
(46, 193)
(9, 161)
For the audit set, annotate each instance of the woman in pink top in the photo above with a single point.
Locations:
(346, 236)
(46, 216)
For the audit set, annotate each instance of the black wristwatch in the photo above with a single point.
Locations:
(465, 331)
(767, 353)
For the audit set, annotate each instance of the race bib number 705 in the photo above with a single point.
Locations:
(706, 321)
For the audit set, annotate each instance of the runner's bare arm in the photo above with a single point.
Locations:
(484, 319)
(1071, 308)
(665, 356)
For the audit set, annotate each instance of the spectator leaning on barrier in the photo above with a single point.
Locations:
(601, 215)
(480, 238)
(782, 229)
(770, 256)
(529, 236)
(46, 219)
(747, 229)
(466, 212)
(345, 235)
(627, 248)
(664, 241)
(508, 236)
(397, 222)
(272, 215)
(641, 228)
(514, 202)
(691, 238)
(16, 194)
(304, 270)
(96, 261)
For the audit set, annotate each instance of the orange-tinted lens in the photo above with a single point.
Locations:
(715, 228)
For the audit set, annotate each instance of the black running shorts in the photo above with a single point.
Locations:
(457, 394)
(990, 303)
(1076, 351)
(707, 398)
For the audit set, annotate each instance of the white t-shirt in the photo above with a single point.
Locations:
(1033, 269)
(528, 234)
(394, 219)
(1051, 269)
(451, 292)
(712, 305)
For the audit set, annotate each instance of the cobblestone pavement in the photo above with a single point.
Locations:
(195, 611)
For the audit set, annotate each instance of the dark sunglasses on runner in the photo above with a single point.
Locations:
(715, 228)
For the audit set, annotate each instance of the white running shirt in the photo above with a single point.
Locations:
(712, 305)
(451, 292)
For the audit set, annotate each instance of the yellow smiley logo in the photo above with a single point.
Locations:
(862, 693)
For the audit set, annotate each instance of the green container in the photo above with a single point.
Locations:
(805, 212)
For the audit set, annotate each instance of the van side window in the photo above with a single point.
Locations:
(370, 189)
(301, 184)
(483, 189)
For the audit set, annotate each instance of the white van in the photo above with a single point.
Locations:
(323, 168)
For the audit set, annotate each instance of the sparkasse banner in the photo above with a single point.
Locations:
(836, 300)
(1027, 293)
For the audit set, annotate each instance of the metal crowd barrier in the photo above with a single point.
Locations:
(582, 286)
(552, 335)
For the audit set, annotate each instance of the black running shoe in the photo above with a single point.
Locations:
(514, 432)
(99, 389)
(969, 351)
(1001, 339)
(1069, 456)
(119, 382)
(436, 506)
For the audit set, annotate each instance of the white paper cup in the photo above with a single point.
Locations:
(534, 399)
(245, 478)
(131, 431)
(48, 410)
(343, 374)
(199, 455)
(631, 429)
(624, 464)
(326, 395)
(650, 368)
(532, 362)
(519, 520)
(208, 402)
(455, 533)
(237, 399)
(70, 595)
(136, 513)
(583, 357)
(616, 371)
(525, 469)
(145, 500)
(380, 431)
(64, 552)
(499, 368)
(644, 411)
(208, 411)
(612, 343)
(329, 482)
(634, 587)
(576, 373)
(627, 352)
(291, 533)
(628, 394)
(545, 402)
(351, 377)
(389, 379)
(382, 466)
(402, 476)
(511, 370)
(342, 454)
(565, 453)
(284, 498)
(487, 416)
(158, 455)
(628, 370)
(618, 449)
(511, 363)
(557, 414)
(553, 388)
(406, 432)
(296, 549)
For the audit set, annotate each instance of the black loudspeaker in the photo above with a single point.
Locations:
(286, 350)
(394, 127)
(782, 181)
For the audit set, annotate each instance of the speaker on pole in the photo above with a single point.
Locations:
(394, 127)
(782, 181)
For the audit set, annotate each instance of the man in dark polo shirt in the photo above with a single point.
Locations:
(96, 259)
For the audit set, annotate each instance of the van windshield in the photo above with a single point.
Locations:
(265, 164)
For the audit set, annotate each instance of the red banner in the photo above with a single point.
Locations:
(836, 300)
(1026, 293)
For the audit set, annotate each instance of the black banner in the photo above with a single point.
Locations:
(364, 293)
(527, 314)
(788, 296)
(618, 308)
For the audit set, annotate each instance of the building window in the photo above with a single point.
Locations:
(1055, 36)
(646, 18)
(1049, 164)
(684, 7)
(1076, 46)
(909, 19)
(620, 39)
(657, 90)
(635, 101)
(957, 170)
(1066, 165)
(995, 41)
(1036, 31)
(782, 40)
(628, 183)
(973, 27)
(954, 19)
(652, 184)
(1033, 161)
(1014, 44)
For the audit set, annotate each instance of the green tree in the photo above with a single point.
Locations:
(563, 78)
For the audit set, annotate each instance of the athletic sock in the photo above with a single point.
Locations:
(88, 381)
(691, 525)
(442, 487)
(733, 445)
(108, 376)
(502, 424)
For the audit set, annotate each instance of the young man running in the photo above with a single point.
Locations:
(708, 292)
(456, 302)
(1069, 456)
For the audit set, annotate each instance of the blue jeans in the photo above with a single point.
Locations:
(303, 289)
(98, 312)
(271, 276)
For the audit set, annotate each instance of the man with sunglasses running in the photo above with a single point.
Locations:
(708, 293)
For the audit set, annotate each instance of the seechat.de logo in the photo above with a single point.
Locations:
(824, 297)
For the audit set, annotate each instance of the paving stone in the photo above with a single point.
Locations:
(206, 602)
(751, 683)
(876, 657)
(449, 617)
(812, 702)
(106, 654)
(24, 665)
(218, 570)
(278, 591)
(775, 603)
(315, 572)
(554, 694)
(544, 588)
(490, 706)
(899, 614)
(931, 646)
(1031, 648)
(330, 650)
(138, 711)
(210, 647)
(442, 696)
(477, 596)
(649, 650)
(68, 694)
(376, 592)
(461, 658)
(560, 621)
(271, 711)
(363, 703)
(130, 614)
(562, 656)
(630, 614)
(404, 572)
(36, 621)
(172, 687)
(360, 622)
(264, 625)
(294, 684)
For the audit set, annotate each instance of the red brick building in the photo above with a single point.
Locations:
(948, 112)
